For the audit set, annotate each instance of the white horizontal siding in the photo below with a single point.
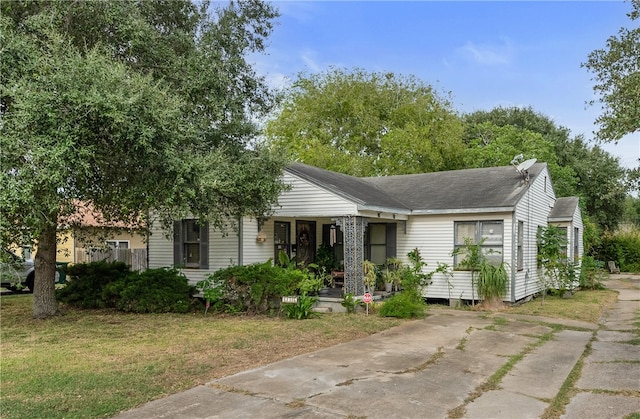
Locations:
(307, 200)
(160, 248)
(223, 252)
(433, 235)
(533, 210)
(254, 251)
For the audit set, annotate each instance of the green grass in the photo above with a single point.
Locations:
(97, 363)
(587, 306)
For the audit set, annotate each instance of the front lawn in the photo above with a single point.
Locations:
(96, 363)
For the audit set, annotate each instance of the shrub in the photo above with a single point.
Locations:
(404, 305)
(303, 309)
(349, 303)
(152, 291)
(87, 282)
(252, 287)
(591, 273)
(621, 247)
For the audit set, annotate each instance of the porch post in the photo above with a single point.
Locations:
(353, 231)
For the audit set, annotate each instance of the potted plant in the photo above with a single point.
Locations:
(369, 270)
(392, 274)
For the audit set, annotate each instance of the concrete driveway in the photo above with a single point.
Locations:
(452, 364)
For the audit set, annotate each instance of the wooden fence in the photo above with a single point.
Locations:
(135, 258)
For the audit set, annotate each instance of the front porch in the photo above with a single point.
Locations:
(337, 245)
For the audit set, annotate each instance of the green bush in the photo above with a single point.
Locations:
(152, 291)
(621, 247)
(253, 288)
(404, 305)
(303, 309)
(86, 282)
(591, 273)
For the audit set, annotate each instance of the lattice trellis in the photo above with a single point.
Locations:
(353, 229)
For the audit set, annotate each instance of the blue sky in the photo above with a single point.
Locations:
(486, 54)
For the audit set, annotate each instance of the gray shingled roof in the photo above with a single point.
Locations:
(349, 187)
(563, 209)
(493, 187)
(484, 188)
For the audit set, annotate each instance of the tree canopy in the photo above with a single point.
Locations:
(495, 136)
(616, 70)
(367, 124)
(133, 108)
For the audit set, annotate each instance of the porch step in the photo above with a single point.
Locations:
(322, 309)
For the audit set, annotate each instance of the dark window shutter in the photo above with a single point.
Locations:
(204, 246)
(178, 259)
(391, 240)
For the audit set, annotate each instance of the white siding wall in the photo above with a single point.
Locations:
(256, 252)
(223, 252)
(577, 223)
(307, 200)
(433, 235)
(533, 209)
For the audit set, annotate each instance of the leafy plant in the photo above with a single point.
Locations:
(393, 272)
(370, 272)
(212, 292)
(446, 271)
(325, 258)
(473, 259)
(302, 309)
(311, 283)
(592, 273)
(349, 303)
(405, 304)
(492, 281)
(557, 272)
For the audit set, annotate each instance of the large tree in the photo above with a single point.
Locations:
(577, 169)
(133, 107)
(616, 70)
(367, 124)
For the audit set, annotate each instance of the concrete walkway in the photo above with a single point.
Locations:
(453, 364)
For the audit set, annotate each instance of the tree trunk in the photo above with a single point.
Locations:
(44, 292)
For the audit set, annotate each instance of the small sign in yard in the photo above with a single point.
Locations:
(367, 299)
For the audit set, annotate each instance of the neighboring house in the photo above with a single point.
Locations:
(381, 217)
(90, 238)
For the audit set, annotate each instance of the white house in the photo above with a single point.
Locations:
(380, 217)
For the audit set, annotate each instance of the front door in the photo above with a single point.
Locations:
(305, 242)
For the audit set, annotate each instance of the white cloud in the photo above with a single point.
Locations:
(488, 54)
(309, 59)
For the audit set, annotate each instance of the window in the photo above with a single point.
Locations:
(118, 244)
(380, 242)
(520, 254)
(562, 232)
(191, 244)
(489, 233)
(576, 247)
(281, 239)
